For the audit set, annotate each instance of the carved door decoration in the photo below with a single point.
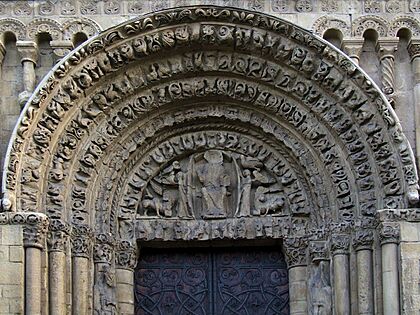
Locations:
(203, 282)
(214, 184)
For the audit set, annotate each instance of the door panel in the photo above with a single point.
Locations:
(222, 281)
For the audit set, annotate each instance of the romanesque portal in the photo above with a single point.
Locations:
(204, 125)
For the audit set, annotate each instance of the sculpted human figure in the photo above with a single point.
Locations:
(215, 181)
(244, 207)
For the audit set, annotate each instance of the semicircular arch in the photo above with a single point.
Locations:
(142, 113)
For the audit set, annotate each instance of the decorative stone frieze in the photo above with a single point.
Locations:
(81, 240)
(389, 233)
(296, 250)
(340, 244)
(126, 255)
(58, 235)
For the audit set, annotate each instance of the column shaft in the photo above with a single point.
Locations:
(32, 281)
(365, 282)
(298, 290)
(57, 284)
(125, 291)
(80, 282)
(341, 284)
(416, 70)
(390, 282)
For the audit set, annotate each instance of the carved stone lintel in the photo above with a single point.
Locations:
(81, 241)
(103, 249)
(35, 230)
(363, 239)
(296, 251)
(389, 233)
(353, 47)
(126, 256)
(340, 244)
(58, 236)
(318, 251)
(28, 51)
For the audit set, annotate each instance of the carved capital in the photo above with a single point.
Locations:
(61, 47)
(81, 241)
(389, 233)
(103, 249)
(126, 255)
(414, 48)
(28, 51)
(58, 235)
(318, 251)
(340, 244)
(35, 230)
(386, 47)
(363, 239)
(353, 47)
(296, 251)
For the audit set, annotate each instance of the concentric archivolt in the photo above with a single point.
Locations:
(114, 116)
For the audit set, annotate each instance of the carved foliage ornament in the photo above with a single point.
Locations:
(58, 235)
(81, 240)
(126, 255)
(389, 233)
(296, 251)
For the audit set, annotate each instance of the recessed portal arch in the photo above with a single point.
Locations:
(205, 123)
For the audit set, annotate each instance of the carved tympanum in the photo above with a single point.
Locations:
(213, 184)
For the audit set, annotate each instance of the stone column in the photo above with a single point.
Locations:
(81, 242)
(61, 48)
(296, 255)
(362, 244)
(319, 284)
(414, 51)
(58, 238)
(29, 55)
(34, 233)
(386, 48)
(353, 48)
(104, 295)
(2, 55)
(389, 235)
(340, 251)
(125, 260)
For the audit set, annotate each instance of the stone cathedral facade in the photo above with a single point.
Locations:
(210, 157)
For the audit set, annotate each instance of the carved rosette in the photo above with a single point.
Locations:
(318, 251)
(103, 248)
(389, 233)
(363, 239)
(340, 244)
(126, 255)
(35, 230)
(81, 241)
(296, 251)
(58, 235)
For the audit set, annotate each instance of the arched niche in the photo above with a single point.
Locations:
(206, 123)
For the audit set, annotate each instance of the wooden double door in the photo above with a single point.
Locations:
(212, 281)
